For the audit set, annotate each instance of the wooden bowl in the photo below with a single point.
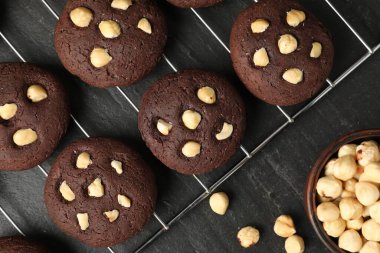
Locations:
(310, 192)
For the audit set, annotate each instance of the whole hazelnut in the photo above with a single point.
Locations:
(367, 152)
(366, 193)
(370, 247)
(329, 168)
(350, 240)
(374, 211)
(347, 149)
(248, 236)
(327, 211)
(334, 228)
(371, 230)
(294, 244)
(350, 209)
(284, 226)
(349, 185)
(355, 224)
(329, 187)
(371, 173)
(345, 167)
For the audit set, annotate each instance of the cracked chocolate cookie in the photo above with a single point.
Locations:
(192, 121)
(194, 3)
(34, 115)
(100, 192)
(111, 42)
(17, 244)
(281, 52)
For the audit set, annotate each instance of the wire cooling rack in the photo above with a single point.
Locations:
(165, 226)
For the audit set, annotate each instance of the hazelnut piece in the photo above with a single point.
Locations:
(350, 240)
(335, 228)
(124, 201)
(99, 57)
(329, 187)
(23, 137)
(259, 25)
(112, 215)
(350, 209)
(83, 160)
(96, 189)
(118, 166)
(219, 202)
(109, 29)
(207, 95)
(295, 17)
(121, 4)
(294, 244)
(366, 193)
(145, 26)
(81, 17)
(191, 119)
(345, 167)
(164, 127)
(36, 93)
(371, 230)
(191, 149)
(287, 44)
(225, 133)
(8, 111)
(293, 75)
(66, 192)
(260, 58)
(284, 226)
(83, 220)
(248, 236)
(327, 211)
(316, 51)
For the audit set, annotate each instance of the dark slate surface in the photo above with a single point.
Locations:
(271, 183)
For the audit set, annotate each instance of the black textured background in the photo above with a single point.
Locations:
(271, 183)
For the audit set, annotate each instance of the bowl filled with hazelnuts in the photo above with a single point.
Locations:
(342, 196)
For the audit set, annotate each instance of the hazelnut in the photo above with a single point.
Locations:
(345, 167)
(374, 211)
(329, 187)
(36, 93)
(347, 194)
(260, 58)
(207, 95)
(96, 189)
(99, 57)
(284, 226)
(81, 17)
(350, 209)
(145, 26)
(327, 211)
(366, 193)
(259, 25)
(365, 213)
(118, 166)
(347, 149)
(109, 29)
(295, 17)
(293, 75)
(83, 220)
(335, 228)
(219, 202)
(370, 247)
(8, 111)
(191, 149)
(23, 137)
(371, 230)
(316, 51)
(66, 192)
(371, 173)
(349, 185)
(350, 240)
(112, 215)
(83, 160)
(287, 44)
(124, 201)
(355, 224)
(294, 244)
(367, 152)
(191, 119)
(248, 236)
(329, 168)
(225, 133)
(121, 4)
(164, 127)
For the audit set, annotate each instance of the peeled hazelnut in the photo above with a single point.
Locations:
(370, 247)
(121, 4)
(8, 111)
(112, 215)
(366, 193)
(191, 149)
(374, 211)
(99, 57)
(371, 173)
(118, 166)
(365, 213)
(294, 244)
(284, 226)
(287, 44)
(293, 75)
(350, 209)
(219, 202)
(191, 119)
(316, 51)
(81, 17)
(347, 149)
(329, 168)
(367, 152)
(124, 201)
(260, 58)
(83, 221)
(36, 93)
(350, 240)
(345, 167)
(295, 17)
(207, 95)
(371, 230)
(347, 194)
(327, 211)
(23, 137)
(83, 160)
(248, 236)
(329, 187)
(349, 185)
(335, 228)
(164, 127)
(96, 189)
(259, 25)
(355, 224)
(109, 29)
(145, 26)
(66, 192)
(225, 133)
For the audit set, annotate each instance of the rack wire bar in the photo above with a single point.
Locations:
(11, 221)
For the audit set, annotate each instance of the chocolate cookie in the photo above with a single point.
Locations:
(16, 244)
(110, 42)
(192, 121)
(281, 52)
(34, 115)
(100, 192)
(194, 3)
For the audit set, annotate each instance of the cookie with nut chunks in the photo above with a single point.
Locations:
(281, 52)
(194, 3)
(111, 42)
(100, 192)
(17, 244)
(34, 115)
(192, 121)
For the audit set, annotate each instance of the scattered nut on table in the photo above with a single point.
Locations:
(145, 26)
(81, 17)
(8, 111)
(219, 202)
(100, 57)
(96, 189)
(23, 137)
(83, 160)
(259, 25)
(83, 221)
(36, 93)
(248, 236)
(294, 244)
(335, 228)
(350, 240)
(287, 44)
(284, 226)
(121, 4)
(110, 29)
(66, 191)
(261, 58)
(295, 17)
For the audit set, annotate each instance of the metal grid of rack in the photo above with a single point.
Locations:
(247, 154)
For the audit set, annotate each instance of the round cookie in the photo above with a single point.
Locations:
(17, 244)
(34, 115)
(100, 192)
(281, 52)
(194, 3)
(192, 121)
(111, 42)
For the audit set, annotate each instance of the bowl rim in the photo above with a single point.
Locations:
(310, 200)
